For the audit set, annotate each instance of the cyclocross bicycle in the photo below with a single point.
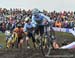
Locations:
(45, 42)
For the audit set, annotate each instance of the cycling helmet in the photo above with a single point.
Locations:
(27, 19)
(7, 33)
(19, 25)
(35, 11)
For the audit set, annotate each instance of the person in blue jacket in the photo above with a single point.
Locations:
(39, 20)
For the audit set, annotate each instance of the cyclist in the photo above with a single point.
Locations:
(8, 36)
(20, 32)
(39, 20)
(28, 29)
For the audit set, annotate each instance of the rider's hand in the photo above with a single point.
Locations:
(26, 33)
(45, 22)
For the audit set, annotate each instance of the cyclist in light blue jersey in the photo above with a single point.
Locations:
(28, 29)
(39, 20)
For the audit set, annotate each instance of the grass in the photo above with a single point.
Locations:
(65, 35)
(2, 39)
(61, 36)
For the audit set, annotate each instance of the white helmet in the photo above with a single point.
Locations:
(7, 33)
(35, 11)
(27, 19)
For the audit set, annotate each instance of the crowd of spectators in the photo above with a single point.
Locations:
(10, 17)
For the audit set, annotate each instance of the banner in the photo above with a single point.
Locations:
(64, 30)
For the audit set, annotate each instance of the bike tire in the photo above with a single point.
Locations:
(46, 48)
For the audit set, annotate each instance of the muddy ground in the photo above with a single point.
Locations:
(32, 53)
(36, 53)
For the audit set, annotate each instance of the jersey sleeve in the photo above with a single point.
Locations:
(15, 30)
(25, 29)
(46, 17)
(33, 25)
(33, 19)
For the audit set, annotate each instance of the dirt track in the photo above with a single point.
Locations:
(36, 53)
(32, 53)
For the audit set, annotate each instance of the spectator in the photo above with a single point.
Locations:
(61, 19)
(58, 24)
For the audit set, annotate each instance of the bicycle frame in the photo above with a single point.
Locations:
(49, 40)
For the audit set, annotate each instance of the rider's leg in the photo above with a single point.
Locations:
(34, 42)
(41, 29)
(32, 37)
(27, 42)
(19, 44)
(27, 39)
(37, 30)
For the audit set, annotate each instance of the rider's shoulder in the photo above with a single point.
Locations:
(16, 29)
(22, 28)
(41, 14)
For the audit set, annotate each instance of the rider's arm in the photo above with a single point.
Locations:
(25, 29)
(33, 19)
(15, 30)
(46, 17)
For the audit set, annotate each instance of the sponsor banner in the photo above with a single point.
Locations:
(72, 31)
(61, 29)
(64, 30)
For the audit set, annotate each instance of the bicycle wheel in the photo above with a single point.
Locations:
(14, 40)
(37, 39)
(46, 45)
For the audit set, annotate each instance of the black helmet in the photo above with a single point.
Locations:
(19, 25)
